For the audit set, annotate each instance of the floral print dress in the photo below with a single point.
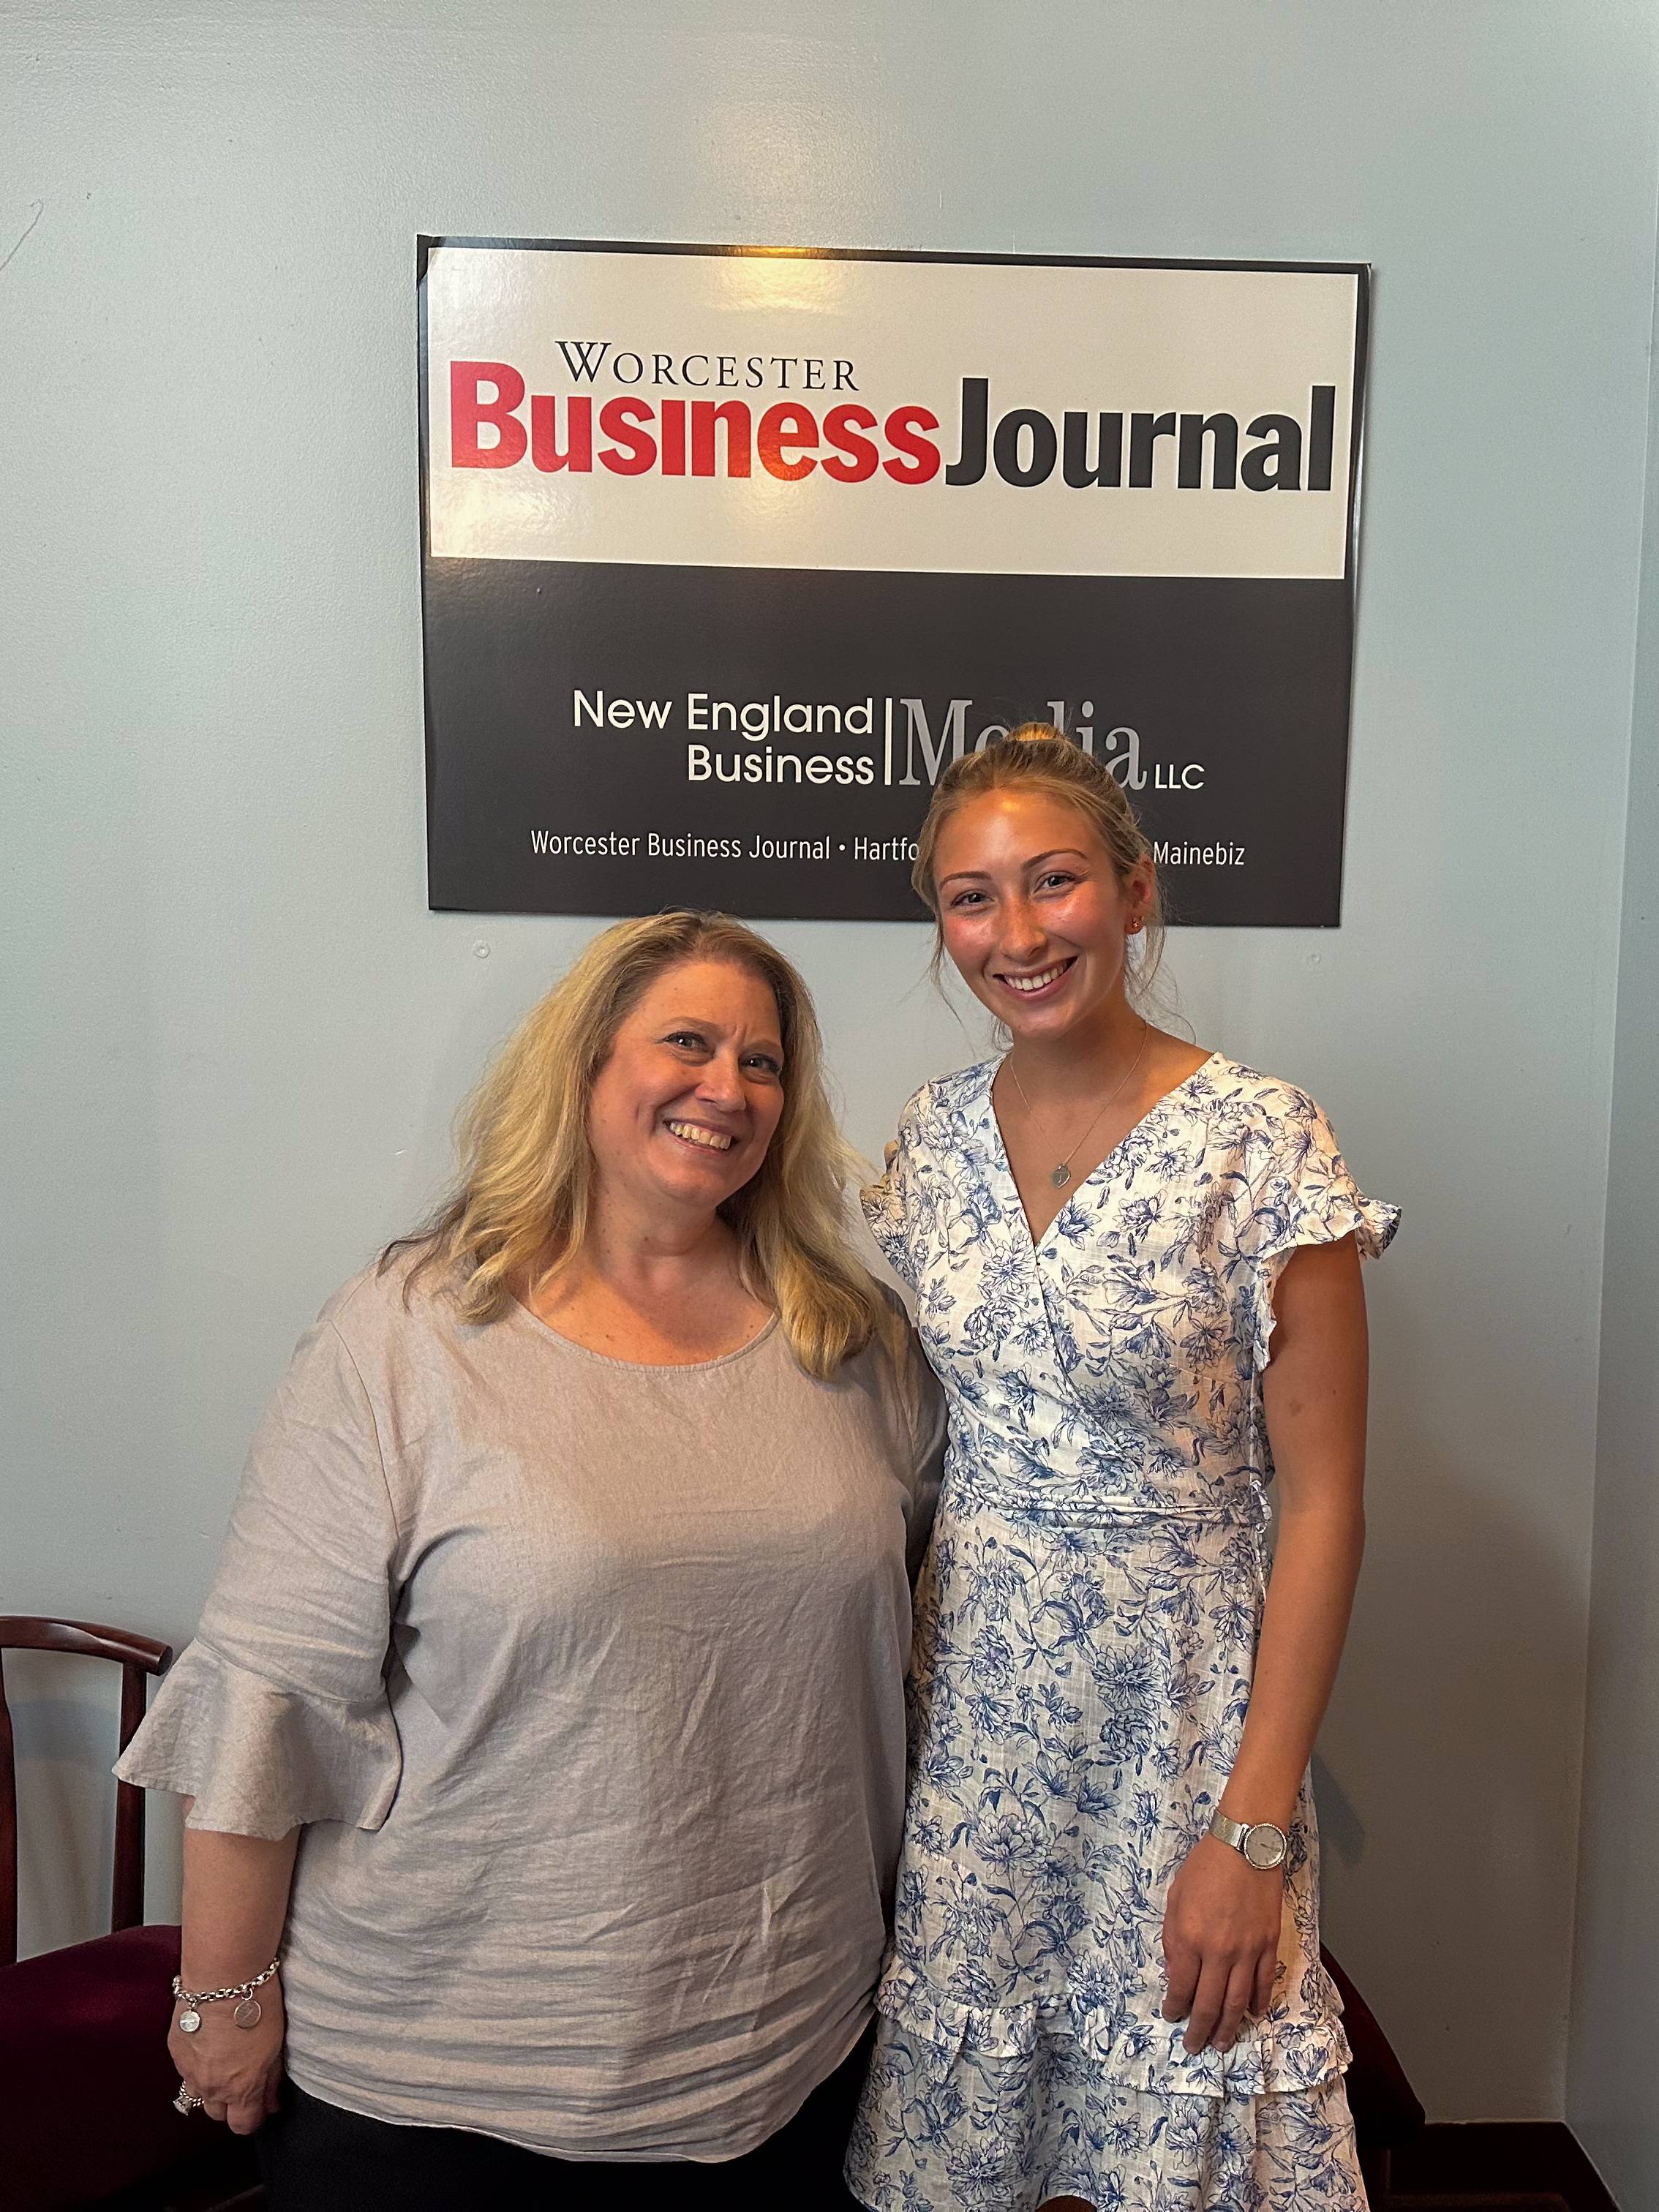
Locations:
(1086, 1629)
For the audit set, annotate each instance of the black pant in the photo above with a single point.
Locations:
(316, 2158)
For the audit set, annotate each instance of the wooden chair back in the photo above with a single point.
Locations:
(138, 1657)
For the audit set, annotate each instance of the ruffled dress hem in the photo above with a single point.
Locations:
(1142, 2054)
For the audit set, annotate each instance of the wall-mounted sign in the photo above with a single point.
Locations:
(727, 553)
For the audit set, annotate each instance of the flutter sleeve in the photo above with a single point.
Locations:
(1302, 1193)
(277, 1715)
(893, 1206)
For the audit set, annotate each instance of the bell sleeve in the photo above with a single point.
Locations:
(277, 1715)
(1302, 1193)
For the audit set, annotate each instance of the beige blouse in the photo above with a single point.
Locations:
(584, 1680)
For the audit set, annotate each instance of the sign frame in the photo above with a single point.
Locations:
(1360, 272)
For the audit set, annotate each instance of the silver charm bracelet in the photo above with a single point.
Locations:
(247, 2013)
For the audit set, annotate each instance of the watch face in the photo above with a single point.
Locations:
(1264, 1845)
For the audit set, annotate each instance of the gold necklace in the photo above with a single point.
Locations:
(1060, 1174)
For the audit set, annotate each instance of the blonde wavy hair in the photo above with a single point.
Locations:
(1037, 756)
(521, 1209)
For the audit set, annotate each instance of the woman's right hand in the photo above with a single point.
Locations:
(237, 2072)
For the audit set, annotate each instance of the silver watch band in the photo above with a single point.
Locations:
(1259, 1842)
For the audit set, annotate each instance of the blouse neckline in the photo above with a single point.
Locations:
(521, 1311)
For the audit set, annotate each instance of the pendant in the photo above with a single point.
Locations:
(1060, 1176)
(247, 2013)
(189, 2021)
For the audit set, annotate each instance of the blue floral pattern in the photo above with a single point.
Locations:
(1086, 1632)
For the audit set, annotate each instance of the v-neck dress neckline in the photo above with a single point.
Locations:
(997, 1146)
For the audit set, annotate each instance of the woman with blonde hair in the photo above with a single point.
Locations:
(1137, 1272)
(544, 1733)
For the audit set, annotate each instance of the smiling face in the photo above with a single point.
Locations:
(690, 1094)
(1033, 915)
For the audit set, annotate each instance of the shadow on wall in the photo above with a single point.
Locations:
(1448, 1846)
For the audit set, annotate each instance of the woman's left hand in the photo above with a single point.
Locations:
(1220, 1943)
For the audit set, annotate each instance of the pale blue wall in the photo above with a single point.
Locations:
(239, 1034)
(1611, 2099)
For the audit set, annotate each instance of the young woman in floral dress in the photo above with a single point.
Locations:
(1137, 1272)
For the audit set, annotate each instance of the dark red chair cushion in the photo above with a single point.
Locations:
(86, 2084)
(1385, 2107)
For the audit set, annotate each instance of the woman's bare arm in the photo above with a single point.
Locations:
(1221, 1925)
(236, 1890)
(1314, 1392)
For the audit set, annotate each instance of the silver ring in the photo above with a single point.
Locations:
(186, 2103)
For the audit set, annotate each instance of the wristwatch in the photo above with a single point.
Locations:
(1258, 1842)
